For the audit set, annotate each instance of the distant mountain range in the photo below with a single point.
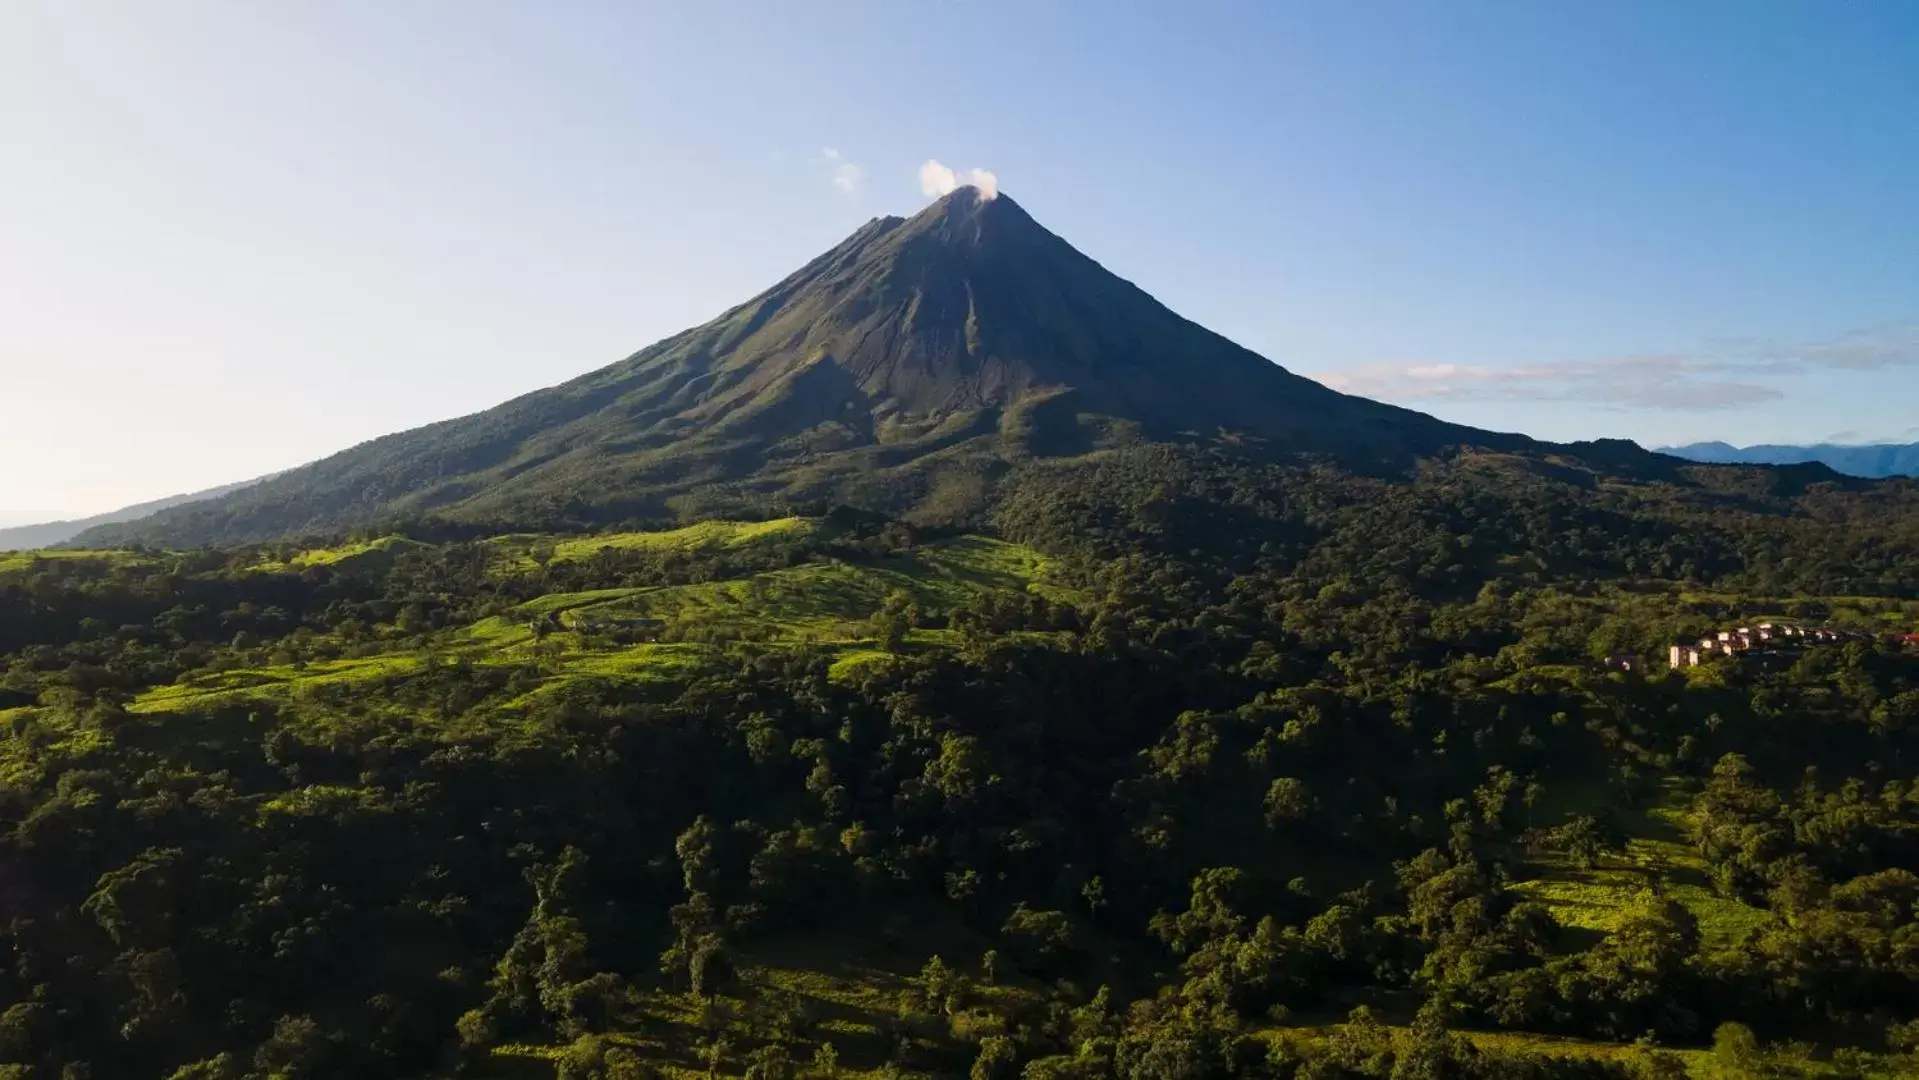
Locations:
(51, 533)
(1880, 460)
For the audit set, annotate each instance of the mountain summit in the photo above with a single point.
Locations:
(915, 360)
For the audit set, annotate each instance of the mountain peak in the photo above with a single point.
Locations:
(973, 197)
(971, 216)
(945, 345)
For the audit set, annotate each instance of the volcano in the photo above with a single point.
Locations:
(917, 360)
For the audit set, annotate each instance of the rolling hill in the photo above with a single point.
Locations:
(905, 369)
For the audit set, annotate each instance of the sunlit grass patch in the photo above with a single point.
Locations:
(499, 632)
(375, 554)
(705, 534)
(516, 553)
(662, 661)
(982, 561)
(202, 690)
(852, 663)
(817, 602)
(1594, 899)
(555, 603)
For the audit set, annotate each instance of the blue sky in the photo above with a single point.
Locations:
(235, 237)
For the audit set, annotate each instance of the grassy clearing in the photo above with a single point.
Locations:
(818, 602)
(1594, 899)
(516, 553)
(558, 603)
(219, 687)
(362, 556)
(852, 663)
(983, 562)
(652, 662)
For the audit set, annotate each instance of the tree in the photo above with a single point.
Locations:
(220, 1067)
(997, 1056)
(1288, 800)
(297, 1049)
(595, 1057)
(770, 1062)
(1040, 935)
(696, 848)
(938, 983)
(896, 618)
(1736, 1054)
(712, 1052)
(1587, 837)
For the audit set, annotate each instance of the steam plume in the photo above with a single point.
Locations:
(937, 179)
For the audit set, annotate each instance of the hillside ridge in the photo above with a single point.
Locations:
(50, 533)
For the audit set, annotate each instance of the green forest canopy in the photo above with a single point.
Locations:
(1185, 767)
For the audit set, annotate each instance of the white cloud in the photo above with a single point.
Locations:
(1865, 350)
(849, 178)
(1728, 376)
(937, 179)
(1675, 383)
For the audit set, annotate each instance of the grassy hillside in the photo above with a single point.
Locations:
(645, 633)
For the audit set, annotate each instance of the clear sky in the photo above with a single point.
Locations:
(239, 236)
